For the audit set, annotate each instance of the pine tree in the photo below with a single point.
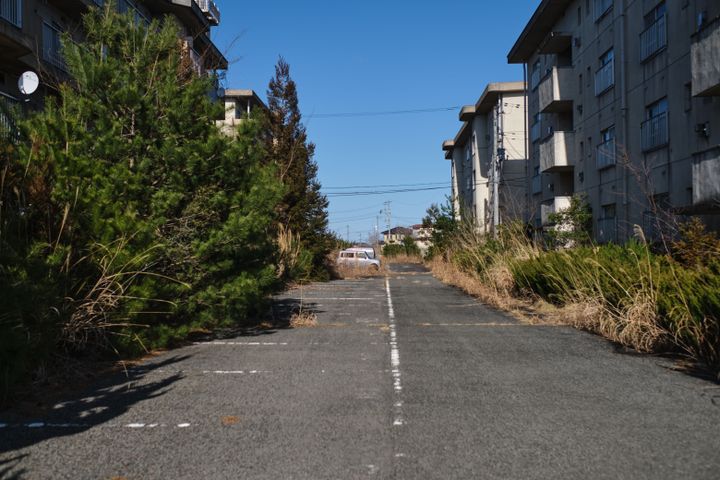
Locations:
(303, 209)
(131, 207)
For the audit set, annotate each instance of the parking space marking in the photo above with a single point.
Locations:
(394, 359)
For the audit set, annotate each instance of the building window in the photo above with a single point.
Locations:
(602, 7)
(607, 224)
(687, 99)
(11, 10)
(535, 75)
(605, 75)
(535, 128)
(52, 45)
(580, 84)
(127, 5)
(606, 153)
(536, 181)
(654, 130)
(654, 38)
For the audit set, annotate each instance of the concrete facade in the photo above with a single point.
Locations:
(495, 126)
(624, 109)
(239, 105)
(30, 32)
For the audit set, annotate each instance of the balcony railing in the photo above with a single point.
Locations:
(706, 178)
(654, 132)
(211, 11)
(606, 154)
(607, 230)
(558, 152)
(52, 46)
(536, 184)
(11, 10)
(653, 39)
(605, 78)
(555, 93)
(705, 65)
(8, 106)
(601, 8)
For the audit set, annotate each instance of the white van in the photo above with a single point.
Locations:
(369, 250)
(354, 257)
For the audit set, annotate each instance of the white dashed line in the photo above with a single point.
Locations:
(264, 344)
(394, 359)
(235, 372)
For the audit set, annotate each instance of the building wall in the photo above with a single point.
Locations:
(22, 48)
(623, 194)
(471, 173)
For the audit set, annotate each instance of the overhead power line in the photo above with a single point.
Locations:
(384, 192)
(397, 185)
(382, 113)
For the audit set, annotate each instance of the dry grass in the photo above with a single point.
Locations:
(526, 310)
(403, 259)
(344, 272)
(303, 319)
(633, 323)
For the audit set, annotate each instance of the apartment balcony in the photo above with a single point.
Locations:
(705, 55)
(52, 46)
(536, 184)
(605, 78)
(556, 90)
(654, 132)
(11, 11)
(211, 11)
(9, 107)
(706, 178)
(653, 39)
(606, 230)
(557, 204)
(606, 155)
(558, 152)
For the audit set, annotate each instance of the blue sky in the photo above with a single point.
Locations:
(372, 56)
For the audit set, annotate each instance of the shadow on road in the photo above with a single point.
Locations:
(9, 470)
(97, 405)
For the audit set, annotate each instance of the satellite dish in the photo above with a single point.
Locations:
(28, 83)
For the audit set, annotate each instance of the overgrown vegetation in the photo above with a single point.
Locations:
(127, 220)
(408, 248)
(650, 301)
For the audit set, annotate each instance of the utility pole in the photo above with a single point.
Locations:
(388, 217)
(497, 165)
(377, 232)
(347, 236)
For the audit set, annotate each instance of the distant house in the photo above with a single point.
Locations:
(396, 235)
(422, 236)
(239, 105)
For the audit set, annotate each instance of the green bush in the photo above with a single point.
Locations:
(128, 219)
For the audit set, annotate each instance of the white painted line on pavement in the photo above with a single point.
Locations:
(72, 425)
(305, 299)
(394, 358)
(264, 344)
(235, 372)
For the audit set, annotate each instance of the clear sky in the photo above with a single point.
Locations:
(376, 56)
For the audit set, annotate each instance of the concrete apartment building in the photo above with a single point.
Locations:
(492, 135)
(30, 33)
(239, 105)
(624, 107)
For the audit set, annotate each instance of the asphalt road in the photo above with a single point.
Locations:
(403, 378)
